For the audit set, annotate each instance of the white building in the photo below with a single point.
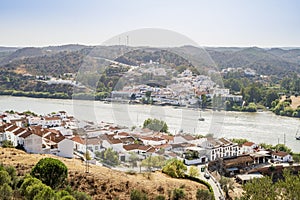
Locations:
(281, 156)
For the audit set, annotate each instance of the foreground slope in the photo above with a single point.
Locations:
(101, 182)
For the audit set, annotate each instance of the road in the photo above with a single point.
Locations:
(218, 193)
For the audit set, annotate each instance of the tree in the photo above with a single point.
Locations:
(51, 172)
(138, 195)
(193, 171)
(204, 195)
(262, 188)
(153, 162)
(175, 168)
(6, 192)
(156, 125)
(226, 185)
(110, 157)
(133, 158)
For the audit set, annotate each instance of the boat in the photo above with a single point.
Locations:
(201, 119)
(297, 135)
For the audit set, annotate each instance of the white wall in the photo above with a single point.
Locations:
(65, 148)
(33, 144)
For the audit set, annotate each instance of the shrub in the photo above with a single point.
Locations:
(178, 193)
(193, 171)
(160, 197)
(28, 181)
(51, 172)
(4, 177)
(6, 192)
(46, 194)
(33, 190)
(138, 195)
(7, 144)
(81, 196)
(204, 195)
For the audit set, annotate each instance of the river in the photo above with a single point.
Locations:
(260, 127)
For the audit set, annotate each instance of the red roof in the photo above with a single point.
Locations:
(78, 139)
(280, 153)
(248, 144)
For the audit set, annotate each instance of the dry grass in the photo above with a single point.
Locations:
(101, 182)
(295, 101)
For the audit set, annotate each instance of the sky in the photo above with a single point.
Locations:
(262, 23)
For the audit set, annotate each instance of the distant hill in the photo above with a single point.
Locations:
(266, 62)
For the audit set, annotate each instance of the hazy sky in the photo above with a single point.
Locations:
(263, 23)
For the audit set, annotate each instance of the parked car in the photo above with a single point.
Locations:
(206, 175)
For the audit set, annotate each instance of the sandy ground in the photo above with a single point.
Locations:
(101, 182)
(295, 101)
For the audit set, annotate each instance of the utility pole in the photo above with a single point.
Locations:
(86, 154)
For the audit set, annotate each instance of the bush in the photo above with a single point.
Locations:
(175, 168)
(51, 172)
(7, 144)
(160, 197)
(138, 195)
(4, 177)
(81, 196)
(28, 181)
(6, 192)
(33, 190)
(204, 195)
(46, 194)
(178, 193)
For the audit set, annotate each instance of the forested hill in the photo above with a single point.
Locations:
(276, 61)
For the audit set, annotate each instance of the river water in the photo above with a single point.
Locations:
(258, 127)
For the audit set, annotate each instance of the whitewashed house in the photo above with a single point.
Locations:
(79, 144)
(281, 156)
(248, 147)
(33, 142)
(220, 148)
(65, 148)
(153, 140)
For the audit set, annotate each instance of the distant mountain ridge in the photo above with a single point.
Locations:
(273, 61)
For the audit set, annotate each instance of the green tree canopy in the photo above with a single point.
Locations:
(175, 168)
(51, 172)
(156, 125)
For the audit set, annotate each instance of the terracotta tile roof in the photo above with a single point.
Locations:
(152, 138)
(163, 146)
(225, 141)
(94, 141)
(167, 137)
(123, 134)
(130, 147)
(78, 139)
(114, 141)
(248, 144)
(11, 127)
(51, 118)
(279, 153)
(188, 137)
(54, 136)
(238, 160)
